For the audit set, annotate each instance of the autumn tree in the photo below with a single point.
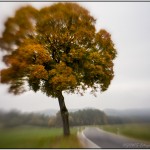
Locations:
(56, 49)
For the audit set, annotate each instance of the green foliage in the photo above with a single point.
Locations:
(96, 117)
(88, 117)
(55, 49)
(15, 119)
(81, 117)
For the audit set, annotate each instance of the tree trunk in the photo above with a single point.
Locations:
(64, 114)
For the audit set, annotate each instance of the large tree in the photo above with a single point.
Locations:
(56, 49)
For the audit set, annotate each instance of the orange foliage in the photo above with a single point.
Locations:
(38, 72)
(62, 77)
(56, 48)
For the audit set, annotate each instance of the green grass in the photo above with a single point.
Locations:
(36, 137)
(136, 131)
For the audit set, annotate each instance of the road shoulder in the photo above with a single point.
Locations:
(85, 142)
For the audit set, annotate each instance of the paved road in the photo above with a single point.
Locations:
(108, 140)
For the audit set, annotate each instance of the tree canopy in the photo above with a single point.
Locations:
(56, 48)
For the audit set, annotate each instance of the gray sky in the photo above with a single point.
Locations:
(129, 25)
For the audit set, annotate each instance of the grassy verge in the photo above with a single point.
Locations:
(137, 131)
(36, 137)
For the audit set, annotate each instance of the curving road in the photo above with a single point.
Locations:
(108, 140)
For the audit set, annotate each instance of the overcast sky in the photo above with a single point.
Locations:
(129, 25)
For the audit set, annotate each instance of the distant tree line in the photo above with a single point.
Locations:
(78, 118)
(95, 117)
(15, 118)
(81, 117)
(88, 117)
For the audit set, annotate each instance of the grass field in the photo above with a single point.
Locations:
(136, 131)
(36, 137)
